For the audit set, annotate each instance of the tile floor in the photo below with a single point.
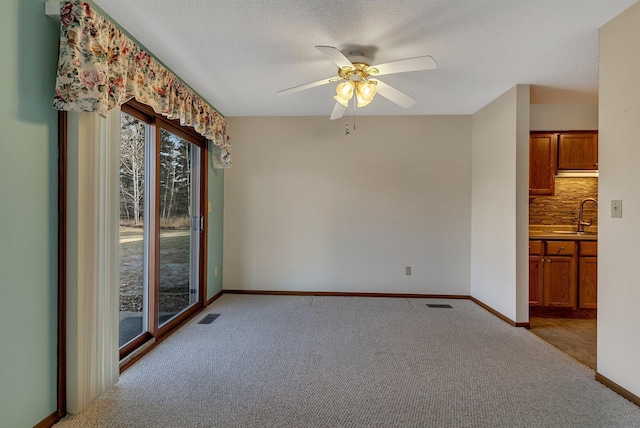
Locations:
(576, 337)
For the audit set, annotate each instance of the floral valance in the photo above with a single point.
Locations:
(100, 68)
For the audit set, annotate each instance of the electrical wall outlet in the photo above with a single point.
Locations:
(616, 208)
(407, 270)
(215, 271)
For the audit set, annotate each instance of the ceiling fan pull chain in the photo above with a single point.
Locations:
(354, 116)
(346, 132)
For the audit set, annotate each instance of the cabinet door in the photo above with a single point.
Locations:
(588, 283)
(578, 151)
(536, 269)
(542, 163)
(560, 282)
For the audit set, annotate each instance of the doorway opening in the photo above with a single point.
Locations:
(563, 219)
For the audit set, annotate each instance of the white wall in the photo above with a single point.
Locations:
(310, 209)
(564, 117)
(619, 159)
(523, 127)
(499, 221)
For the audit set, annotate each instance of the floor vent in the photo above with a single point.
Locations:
(431, 305)
(208, 319)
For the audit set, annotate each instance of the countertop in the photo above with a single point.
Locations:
(562, 233)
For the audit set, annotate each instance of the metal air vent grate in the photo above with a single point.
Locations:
(208, 319)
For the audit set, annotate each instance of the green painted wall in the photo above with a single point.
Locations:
(214, 255)
(28, 213)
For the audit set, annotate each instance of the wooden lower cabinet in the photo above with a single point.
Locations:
(560, 281)
(553, 274)
(588, 276)
(536, 270)
(588, 283)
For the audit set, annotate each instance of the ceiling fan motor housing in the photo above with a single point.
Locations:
(359, 71)
(357, 57)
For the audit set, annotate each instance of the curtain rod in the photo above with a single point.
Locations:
(52, 8)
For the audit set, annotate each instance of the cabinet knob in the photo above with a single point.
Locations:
(541, 260)
(561, 248)
(595, 164)
(548, 260)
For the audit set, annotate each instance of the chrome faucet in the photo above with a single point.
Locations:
(581, 223)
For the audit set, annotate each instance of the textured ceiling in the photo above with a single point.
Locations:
(238, 54)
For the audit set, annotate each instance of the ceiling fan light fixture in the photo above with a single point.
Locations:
(353, 76)
(365, 91)
(344, 92)
(341, 101)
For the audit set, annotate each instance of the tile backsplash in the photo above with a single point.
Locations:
(562, 208)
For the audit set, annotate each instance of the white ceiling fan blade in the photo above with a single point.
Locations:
(338, 111)
(335, 55)
(392, 94)
(404, 65)
(307, 86)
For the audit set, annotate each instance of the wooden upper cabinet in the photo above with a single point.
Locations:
(542, 163)
(578, 150)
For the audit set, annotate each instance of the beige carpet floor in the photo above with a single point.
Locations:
(291, 361)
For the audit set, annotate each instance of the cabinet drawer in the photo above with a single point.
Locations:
(535, 248)
(589, 248)
(563, 248)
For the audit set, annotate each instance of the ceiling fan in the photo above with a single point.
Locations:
(358, 78)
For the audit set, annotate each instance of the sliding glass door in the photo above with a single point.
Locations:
(161, 225)
(179, 225)
(134, 227)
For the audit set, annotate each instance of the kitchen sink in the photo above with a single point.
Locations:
(572, 232)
